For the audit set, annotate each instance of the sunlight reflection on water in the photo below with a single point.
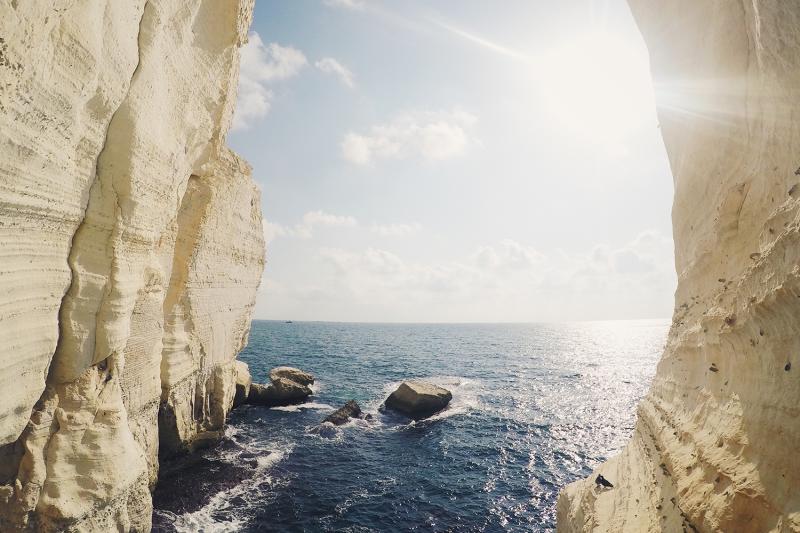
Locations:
(535, 407)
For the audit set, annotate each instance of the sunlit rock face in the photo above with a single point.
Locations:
(715, 445)
(131, 250)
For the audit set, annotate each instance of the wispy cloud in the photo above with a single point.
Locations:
(329, 65)
(305, 228)
(507, 280)
(480, 41)
(426, 134)
(262, 65)
(346, 4)
(314, 219)
(395, 230)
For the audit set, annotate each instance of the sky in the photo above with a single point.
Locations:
(455, 161)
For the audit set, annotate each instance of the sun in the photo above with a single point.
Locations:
(597, 86)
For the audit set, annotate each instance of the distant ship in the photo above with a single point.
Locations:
(288, 321)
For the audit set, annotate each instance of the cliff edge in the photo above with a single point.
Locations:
(715, 444)
(131, 250)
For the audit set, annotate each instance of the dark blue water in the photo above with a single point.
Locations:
(534, 408)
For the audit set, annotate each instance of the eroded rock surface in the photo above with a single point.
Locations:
(243, 383)
(714, 448)
(131, 250)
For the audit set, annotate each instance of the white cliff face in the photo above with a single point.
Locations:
(130, 250)
(715, 445)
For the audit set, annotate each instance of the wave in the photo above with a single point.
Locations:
(226, 511)
(301, 406)
(466, 398)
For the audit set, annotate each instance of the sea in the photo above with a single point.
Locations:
(535, 407)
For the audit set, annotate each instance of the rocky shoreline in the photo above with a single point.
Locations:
(287, 385)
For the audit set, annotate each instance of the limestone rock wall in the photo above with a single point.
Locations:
(130, 250)
(715, 444)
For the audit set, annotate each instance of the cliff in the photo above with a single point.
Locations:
(715, 444)
(131, 250)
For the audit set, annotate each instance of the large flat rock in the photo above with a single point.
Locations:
(418, 399)
(291, 373)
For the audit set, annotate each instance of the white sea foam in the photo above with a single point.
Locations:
(466, 398)
(301, 406)
(206, 519)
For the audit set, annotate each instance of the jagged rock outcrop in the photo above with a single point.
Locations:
(342, 415)
(131, 250)
(715, 444)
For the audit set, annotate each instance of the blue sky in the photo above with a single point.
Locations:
(455, 161)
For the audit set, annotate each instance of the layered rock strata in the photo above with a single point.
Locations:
(715, 444)
(131, 250)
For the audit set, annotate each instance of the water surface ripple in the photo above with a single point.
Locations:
(534, 407)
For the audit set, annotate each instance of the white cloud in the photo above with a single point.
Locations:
(395, 230)
(508, 254)
(329, 65)
(261, 65)
(428, 134)
(504, 281)
(346, 4)
(305, 228)
(314, 219)
(272, 230)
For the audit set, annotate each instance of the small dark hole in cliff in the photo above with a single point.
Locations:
(788, 367)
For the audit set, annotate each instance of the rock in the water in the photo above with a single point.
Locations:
(291, 373)
(243, 382)
(349, 410)
(418, 399)
(281, 391)
(258, 394)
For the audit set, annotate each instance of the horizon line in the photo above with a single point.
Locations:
(466, 323)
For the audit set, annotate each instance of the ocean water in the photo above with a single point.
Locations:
(535, 406)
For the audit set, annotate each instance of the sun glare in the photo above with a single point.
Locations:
(598, 87)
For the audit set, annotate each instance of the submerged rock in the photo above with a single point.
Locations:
(418, 399)
(291, 373)
(349, 410)
(243, 383)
